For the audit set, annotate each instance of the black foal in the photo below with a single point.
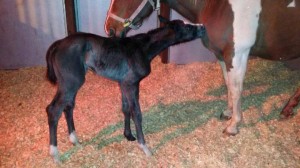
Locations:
(124, 60)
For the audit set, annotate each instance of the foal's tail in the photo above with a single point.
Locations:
(49, 58)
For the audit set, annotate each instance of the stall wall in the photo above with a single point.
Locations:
(92, 14)
(27, 28)
(193, 51)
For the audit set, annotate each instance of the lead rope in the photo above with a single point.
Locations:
(157, 8)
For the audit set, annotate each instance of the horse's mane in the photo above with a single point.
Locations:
(149, 33)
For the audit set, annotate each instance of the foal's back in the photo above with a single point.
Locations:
(113, 57)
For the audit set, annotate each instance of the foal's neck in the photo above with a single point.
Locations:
(160, 39)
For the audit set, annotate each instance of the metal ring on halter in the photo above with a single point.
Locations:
(128, 23)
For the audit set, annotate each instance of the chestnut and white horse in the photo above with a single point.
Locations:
(235, 28)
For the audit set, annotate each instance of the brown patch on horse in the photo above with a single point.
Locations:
(278, 35)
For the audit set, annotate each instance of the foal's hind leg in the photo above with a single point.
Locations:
(131, 92)
(70, 121)
(126, 111)
(63, 100)
(54, 111)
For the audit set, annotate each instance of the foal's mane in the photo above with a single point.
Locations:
(151, 32)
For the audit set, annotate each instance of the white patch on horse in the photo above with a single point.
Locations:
(246, 15)
(73, 138)
(245, 24)
(292, 4)
(54, 153)
(145, 149)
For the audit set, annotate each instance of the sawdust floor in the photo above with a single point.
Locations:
(180, 104)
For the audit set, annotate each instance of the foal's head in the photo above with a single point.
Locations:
(182, 31)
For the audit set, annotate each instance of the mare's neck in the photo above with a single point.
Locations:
(189, 9)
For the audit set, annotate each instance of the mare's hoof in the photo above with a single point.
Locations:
(224, 117)
(130, 137)
(227, 133)
(286, 114)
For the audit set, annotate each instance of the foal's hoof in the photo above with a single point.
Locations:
(130, 137)
(55, 154)
(56, 160)
(74, 140)
(145, 150)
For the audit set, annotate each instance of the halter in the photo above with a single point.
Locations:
(128, 22)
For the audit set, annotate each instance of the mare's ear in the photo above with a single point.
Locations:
(162, 19)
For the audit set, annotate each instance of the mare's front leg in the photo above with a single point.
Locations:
(235, 75)
(287, 111)
(131, 92)
(226, 115)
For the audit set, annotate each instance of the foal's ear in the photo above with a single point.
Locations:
(162, 19)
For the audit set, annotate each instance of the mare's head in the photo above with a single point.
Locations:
(125, 15)
(182, 31)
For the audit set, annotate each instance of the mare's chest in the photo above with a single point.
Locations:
(269, 28)
(231, 24)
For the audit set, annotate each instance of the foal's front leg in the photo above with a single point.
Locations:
(131, 93)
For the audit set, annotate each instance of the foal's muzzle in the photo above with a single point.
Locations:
(201, 30)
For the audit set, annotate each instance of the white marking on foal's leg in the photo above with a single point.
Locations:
(145, 149)
(54, 153)
(73, 138)
(292, 4)
(245, 24)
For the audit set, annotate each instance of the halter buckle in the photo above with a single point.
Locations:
(127, 23)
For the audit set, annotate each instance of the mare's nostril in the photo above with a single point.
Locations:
(112, 32)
